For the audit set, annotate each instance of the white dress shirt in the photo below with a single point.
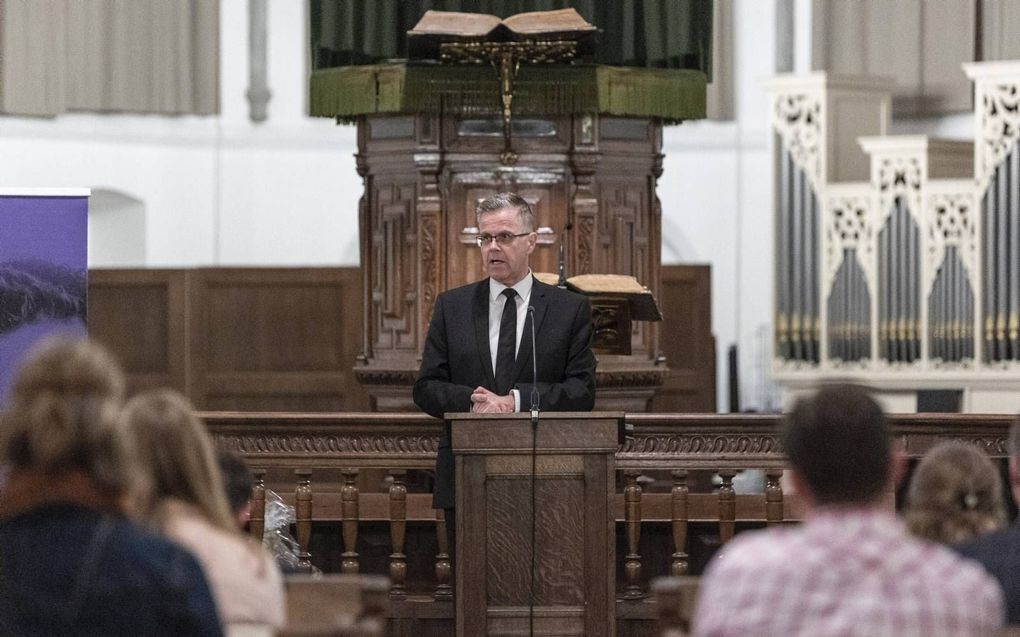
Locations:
(496, 302)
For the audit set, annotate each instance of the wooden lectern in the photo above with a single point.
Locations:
(574, 582)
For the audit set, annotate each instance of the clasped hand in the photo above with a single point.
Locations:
(484, 401)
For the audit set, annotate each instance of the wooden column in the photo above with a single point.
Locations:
(444, 592)
(678, 500)
(773, 497)
(303, 517)
(349, 512)
(257, 521)
(727, 506)
(398, 528)
(632, 519)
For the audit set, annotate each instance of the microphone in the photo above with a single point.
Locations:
(534, 368)
(534, 460)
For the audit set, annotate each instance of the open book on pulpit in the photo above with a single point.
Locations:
(437, 27)
(616, 300)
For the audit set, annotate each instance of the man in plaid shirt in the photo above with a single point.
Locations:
(851, 568)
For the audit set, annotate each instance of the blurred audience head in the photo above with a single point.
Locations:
(237, 484)
(838, 443)
(61, 419)
(174, 447)
(955, 495)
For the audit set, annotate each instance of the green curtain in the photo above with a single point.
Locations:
(672, 95)
(665, 34)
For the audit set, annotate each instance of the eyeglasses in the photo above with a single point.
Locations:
(503, 238)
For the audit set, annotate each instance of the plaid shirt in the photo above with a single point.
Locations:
(845, 572)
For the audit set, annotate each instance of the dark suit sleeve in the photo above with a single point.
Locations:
(576, 391)
(434, 392)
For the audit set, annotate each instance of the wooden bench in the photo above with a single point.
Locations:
(336, 606)
(675, 599)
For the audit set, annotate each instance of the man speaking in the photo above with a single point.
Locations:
(478, 355)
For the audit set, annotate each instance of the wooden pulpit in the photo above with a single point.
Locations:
(574, 542)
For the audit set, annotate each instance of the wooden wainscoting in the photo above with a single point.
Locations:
(285, 339)
(141, 316)
(265, 339)
(686, 341)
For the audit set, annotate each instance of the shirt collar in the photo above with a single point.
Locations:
(522, 287)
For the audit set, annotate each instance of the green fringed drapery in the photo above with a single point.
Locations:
(668, 34)
(672, 95)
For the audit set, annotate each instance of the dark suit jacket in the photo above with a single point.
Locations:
(457, 359)
(999, 553)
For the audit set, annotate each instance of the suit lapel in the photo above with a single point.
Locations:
(540, 302)
(480, 312)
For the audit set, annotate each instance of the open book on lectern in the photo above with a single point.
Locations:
(437, 27)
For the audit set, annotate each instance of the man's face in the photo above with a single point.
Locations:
(505, 262)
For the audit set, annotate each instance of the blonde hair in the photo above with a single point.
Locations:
(173, 445)
(955, 495)
(62, 416)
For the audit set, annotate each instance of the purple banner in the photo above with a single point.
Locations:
(43, 273)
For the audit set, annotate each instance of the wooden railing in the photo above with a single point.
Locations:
(357, 469)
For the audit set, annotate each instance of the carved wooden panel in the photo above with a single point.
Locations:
(275, 339)
(424, 176)
(394, 282)
(687, 341)
(559, 542)
(544, 190)
(573, 547)
(624, 234)
(485, 135)
(235, 339)
(140, 316)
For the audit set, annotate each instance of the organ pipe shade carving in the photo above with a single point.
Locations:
(849, 312)
(951, 311)
(797, 320)
(899, 263)
(1000, 215)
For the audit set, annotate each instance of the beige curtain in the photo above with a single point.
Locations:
(920, 43)
(138, 56)
(999, 27)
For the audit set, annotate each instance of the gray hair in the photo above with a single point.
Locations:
(505, 200)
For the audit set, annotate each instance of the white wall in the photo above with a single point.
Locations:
(225, 191)
(716, 194)
(216, 190)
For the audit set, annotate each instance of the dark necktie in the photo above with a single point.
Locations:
(506, 352)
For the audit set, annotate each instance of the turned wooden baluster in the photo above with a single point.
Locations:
(303, 517)
(257, 521)
(398, 528)
(632, 519)
(349, 521)
(773, 497)
(727, 506)
(678, 499)
(444, 592)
